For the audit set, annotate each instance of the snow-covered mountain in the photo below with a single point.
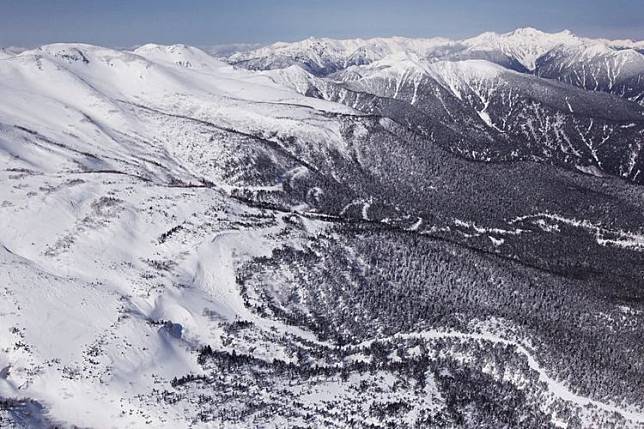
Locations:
(323, 56)
(596, 64)
(366, 233)
(490, 112)
(598, 67)
(524, 45)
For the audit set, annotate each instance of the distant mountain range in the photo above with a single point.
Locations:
(493, 95)
(524, 50)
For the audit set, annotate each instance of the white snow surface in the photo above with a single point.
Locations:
(111, 275)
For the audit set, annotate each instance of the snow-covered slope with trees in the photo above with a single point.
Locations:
(366, 233)
(491, 113)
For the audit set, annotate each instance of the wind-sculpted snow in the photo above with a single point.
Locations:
(367, 233)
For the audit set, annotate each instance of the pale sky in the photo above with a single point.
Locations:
(202, 22)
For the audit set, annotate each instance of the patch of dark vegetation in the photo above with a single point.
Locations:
(374, 282)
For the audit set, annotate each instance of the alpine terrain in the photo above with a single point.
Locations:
(381, 233)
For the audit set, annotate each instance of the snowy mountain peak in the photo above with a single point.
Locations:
(527, 32)
(179, 54)
(525, 45)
